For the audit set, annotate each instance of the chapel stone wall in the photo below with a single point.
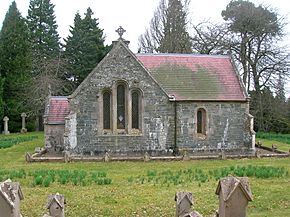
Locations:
(156, 134)
(227, 127)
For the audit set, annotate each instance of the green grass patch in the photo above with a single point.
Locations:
(127, 196)
(177, 177)
(283, 138)
(14, 139)
(280, 146)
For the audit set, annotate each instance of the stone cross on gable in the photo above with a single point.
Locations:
(120, 31)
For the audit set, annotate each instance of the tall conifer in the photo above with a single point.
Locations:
(43, 32)
(15, 63)
(84, 47)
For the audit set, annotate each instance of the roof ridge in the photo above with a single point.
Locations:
(58, 97)
(183, 55)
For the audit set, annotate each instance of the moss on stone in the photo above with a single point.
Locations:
(181, 81)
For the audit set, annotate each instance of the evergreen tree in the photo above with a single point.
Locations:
(176, 38)
(84, 48)
(45, 50)
(43, 32)
(168, 29)
(15, 64)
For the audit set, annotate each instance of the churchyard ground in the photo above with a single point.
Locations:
(139, 188)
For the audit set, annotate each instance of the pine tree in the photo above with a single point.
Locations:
(84, 48)
(15, 63)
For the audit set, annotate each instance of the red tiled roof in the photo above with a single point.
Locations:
(195, 77)
(58, 109)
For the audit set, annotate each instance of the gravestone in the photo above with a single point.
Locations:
(23, 129)
(55, 205)
(258, 153)
(146, 157)
(107, 157)
(183, 205)
(6, 131)
(10, 197)
(234, 195)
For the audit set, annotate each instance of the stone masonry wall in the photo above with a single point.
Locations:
(54, 137)
(227, 127)
(156, 135)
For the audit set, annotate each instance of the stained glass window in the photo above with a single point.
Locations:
(107, 110)
(121, 106)
(135, 110)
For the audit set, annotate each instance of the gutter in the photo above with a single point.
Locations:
(175, 148)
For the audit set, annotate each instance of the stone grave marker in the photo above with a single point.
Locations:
(234, 195)
(10, 197)
(23, 129)
(55, 205)
(6, 131)
(183, 205)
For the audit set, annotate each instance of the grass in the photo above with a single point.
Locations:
(125, 194)
(281, 140)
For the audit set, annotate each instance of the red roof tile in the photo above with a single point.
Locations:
(58, 109)
(195, 77)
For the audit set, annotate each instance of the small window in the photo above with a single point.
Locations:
(121, 107)
(135, 110)
(201, 121)
(107, 110)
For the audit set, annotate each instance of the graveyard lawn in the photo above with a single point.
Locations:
(139, 188)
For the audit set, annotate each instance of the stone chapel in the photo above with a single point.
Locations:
(161, 104)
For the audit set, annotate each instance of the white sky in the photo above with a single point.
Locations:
(134, 15)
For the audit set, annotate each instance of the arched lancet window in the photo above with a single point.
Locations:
(201, 121)
(121, 109)
(135, 109)
(107, 110)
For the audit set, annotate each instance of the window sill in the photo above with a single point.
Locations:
(201, 136)
(121, 133)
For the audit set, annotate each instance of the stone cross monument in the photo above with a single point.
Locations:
(23, 129)
(6, 131)
(120, 31)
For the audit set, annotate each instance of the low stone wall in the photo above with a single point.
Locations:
(66, 157)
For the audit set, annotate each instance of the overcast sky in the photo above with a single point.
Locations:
(134, 15)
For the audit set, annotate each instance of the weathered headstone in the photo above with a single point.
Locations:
(23, 129)
(258, 153)
(107, 157)
(185, 156)
(10, 196)
(234, 195)
(183, 205)
(55, 205)
(223, 155)
(146, 157)
(6, 131)
(274, 147)
(66, 156)
(28, 157)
